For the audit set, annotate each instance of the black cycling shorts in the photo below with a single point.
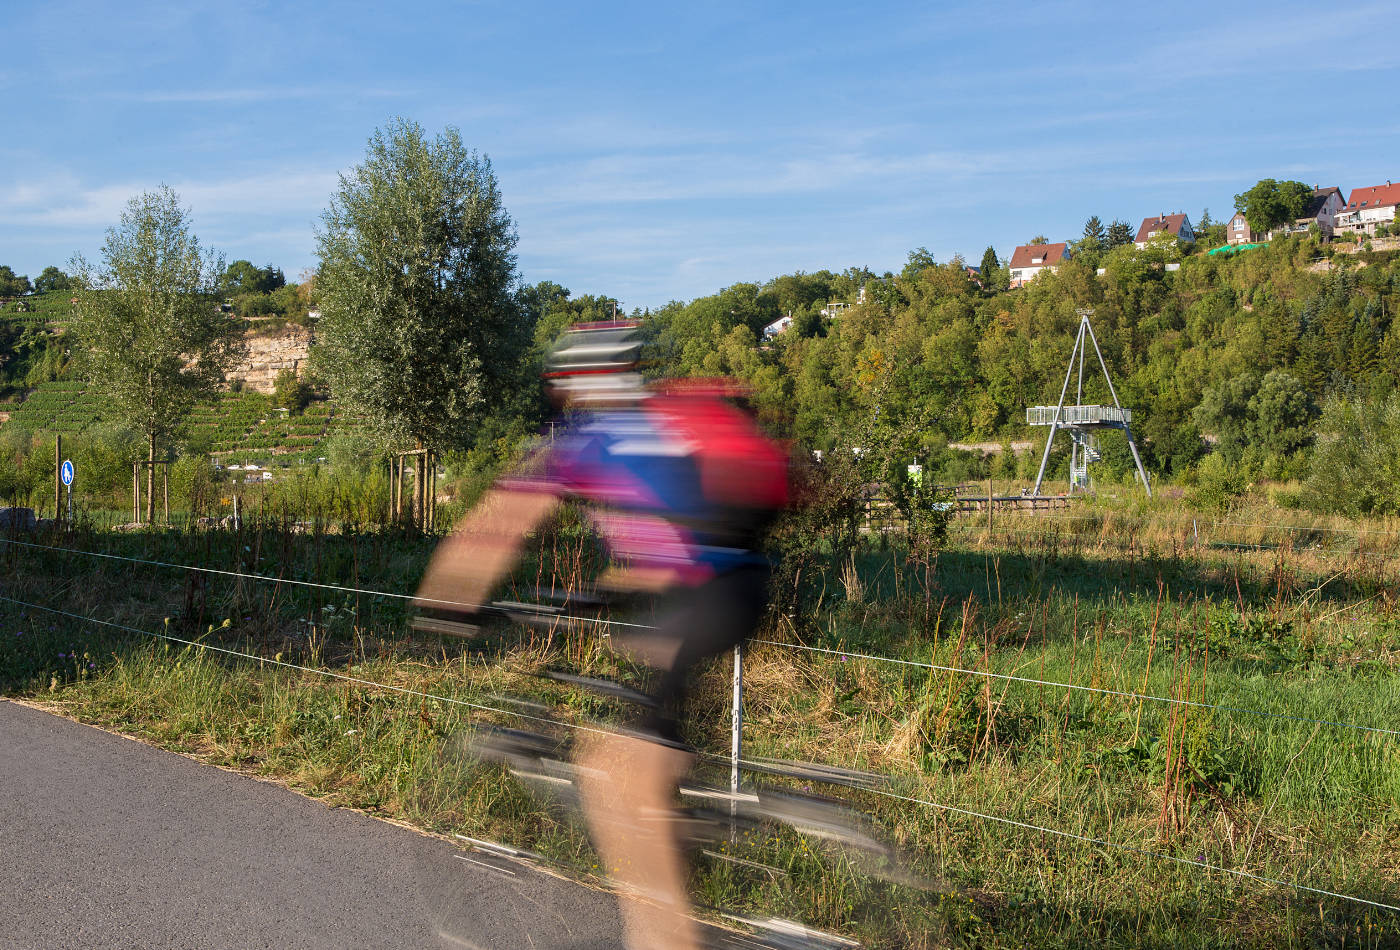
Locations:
(707, 620)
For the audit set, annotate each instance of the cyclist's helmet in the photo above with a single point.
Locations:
(595, 361)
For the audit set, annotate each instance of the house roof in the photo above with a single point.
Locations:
(1170, 223)
(1049, 254)
(1319, 198)
(1375, 196)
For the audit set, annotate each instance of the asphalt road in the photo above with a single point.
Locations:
(109, 842)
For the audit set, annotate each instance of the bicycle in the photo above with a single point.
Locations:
(712, 820)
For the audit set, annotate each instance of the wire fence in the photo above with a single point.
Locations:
(612, 622)
(1041, 528)
(1196, 523)
(1198, 864)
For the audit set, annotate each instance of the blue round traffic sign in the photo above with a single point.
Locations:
(66, 472)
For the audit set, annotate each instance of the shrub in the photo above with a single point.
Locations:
(1356, 462)
(289, 392)
(1218, 483)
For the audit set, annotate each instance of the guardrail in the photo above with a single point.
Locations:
(1078, 415)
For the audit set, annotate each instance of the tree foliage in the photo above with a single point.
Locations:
(1356, 465)
(1241, 350)
(1095, 236)
(1271, 203)
(51, 279)
(989, 261)
(421, 331)
(290, 391)
(150, 332)
(244, 277)
(12, 284)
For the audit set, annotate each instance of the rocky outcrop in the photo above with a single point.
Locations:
(270, 352)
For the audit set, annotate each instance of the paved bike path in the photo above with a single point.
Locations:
(107, 842)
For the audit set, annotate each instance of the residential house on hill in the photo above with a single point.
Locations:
(1368, 208)
(1029, 260)
(1177, 225)
(777, 326)
(1321, 210)
(1238, 231)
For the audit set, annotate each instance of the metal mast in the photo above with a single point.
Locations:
(1083, 421)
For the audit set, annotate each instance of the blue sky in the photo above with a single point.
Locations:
(657, 151)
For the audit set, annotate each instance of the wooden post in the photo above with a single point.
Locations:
(165, 482)
(57, 479)
(420, 477)
(432, 497)
(151, 480)
(395, 488)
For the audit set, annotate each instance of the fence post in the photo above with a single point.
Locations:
(736, 717)
(989, 505)
(58, 479)
(1195, 534)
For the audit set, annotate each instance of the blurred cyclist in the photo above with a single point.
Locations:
(680, 484)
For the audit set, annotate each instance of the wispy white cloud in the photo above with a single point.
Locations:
(248, 94)
(62, 201)
(1308, 40)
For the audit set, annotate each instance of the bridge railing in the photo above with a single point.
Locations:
(1078, 415)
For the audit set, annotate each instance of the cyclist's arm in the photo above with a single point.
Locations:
(483, 548)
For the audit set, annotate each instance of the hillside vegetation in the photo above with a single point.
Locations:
(1229, 362)
(1238, 352)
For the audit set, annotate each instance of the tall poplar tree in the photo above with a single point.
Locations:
(151, 335)
(420, 329)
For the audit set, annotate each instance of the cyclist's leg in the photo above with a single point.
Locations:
(628, 782)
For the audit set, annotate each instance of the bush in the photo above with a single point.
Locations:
(1356, 463)
(289, 392)
(1218, 483)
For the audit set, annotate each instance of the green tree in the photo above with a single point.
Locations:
(51, 279)
(1095, 237)
(290, 391)
(244, 277)
(1356, 464)
(919, 258)
(989, 261)
(421, 330)
(1120, 233)
(1272, 203)
(12, 284)
(151, 336)
(1039, 239)
(1281, 417)
(1224, 413)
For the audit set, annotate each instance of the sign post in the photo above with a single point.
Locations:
(65, 472)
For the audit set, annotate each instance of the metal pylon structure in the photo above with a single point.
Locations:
(1083, 422)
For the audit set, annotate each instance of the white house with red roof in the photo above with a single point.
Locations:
(1029, 260)
(1368, 209)
(1177, 225)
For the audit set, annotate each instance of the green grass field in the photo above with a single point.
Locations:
(1049, 815)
